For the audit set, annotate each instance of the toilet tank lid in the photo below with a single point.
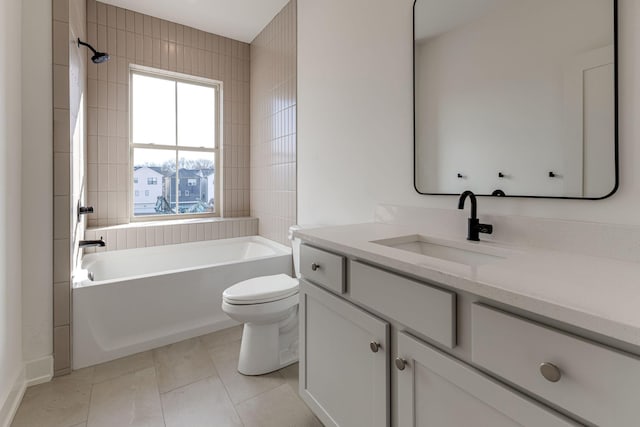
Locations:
(261, 289)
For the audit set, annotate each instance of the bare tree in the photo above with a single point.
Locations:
(196, 164)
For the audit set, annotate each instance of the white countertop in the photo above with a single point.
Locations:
(597, 294)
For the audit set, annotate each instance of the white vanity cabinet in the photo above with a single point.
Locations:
(344, 361)
(436, 390)
(595, 382)
(378, 348)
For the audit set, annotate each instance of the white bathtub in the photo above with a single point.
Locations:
(144, 298)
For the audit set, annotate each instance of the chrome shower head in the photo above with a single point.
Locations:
(98, 57)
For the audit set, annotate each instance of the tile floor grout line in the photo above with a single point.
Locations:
(187, 385)
(90, 398)
(262, 392)
(164, 420)
(235, 409)
(220, 345)
(122, 374)
(155, 365)
(226, 389)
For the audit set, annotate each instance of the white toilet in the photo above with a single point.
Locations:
(268, 307)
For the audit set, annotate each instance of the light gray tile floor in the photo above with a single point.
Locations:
(192, 383)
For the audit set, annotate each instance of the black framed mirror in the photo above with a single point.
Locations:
(516, 98)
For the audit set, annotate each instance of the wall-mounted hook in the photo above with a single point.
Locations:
(552, 174)
(461, 176)
(500, 175)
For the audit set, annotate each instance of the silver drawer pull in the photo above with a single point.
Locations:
(315, 266)
(400, 363)
(550, 372)
(374, 346)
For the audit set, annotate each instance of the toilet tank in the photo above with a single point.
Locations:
(295, 245)
(295, 248)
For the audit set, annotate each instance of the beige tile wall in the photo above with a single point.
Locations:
(134, 38)
(69, 77)
(273, 125)
(171, 232)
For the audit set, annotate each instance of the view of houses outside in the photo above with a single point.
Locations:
(174, 140)
(155, 191)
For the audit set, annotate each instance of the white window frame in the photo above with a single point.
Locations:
(217, 150)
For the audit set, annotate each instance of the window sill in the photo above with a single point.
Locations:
(160, 233)
(170, 222)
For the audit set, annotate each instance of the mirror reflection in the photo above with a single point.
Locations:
(515, 96)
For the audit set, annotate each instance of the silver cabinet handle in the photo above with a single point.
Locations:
(550, 372)
(400, 363)
(374, 346)
(315, 266)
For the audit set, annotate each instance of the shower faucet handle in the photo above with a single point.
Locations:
(83, 210)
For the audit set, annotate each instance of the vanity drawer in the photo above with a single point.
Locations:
(425, 309)
(596, 383)
(322, 268)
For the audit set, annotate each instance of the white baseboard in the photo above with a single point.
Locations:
(9, 407)
(38, 371)
(33, 372)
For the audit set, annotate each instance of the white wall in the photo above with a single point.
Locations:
(355, 118)
(10, 209)
(37, 172)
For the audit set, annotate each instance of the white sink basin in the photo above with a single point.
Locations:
(467, 253)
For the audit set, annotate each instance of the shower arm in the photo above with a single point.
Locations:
(80, 42)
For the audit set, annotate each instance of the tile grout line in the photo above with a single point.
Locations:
(154, 365)
(122, 374)
(226, 389)
(279, 371)
(192, 382)
(262, 392)
(187, 384)
(164, 420)
(90, 399)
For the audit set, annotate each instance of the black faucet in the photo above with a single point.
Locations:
(475, 228)
(92, 243)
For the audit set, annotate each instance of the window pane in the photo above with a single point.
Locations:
(153, 110)
(153, 171)
(197, 182)
(196, 116)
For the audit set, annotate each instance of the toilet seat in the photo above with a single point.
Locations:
(260, 290)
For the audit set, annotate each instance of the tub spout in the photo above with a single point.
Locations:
(92, 243)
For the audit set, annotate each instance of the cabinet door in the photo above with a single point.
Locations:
(344, 361)
(435, 390)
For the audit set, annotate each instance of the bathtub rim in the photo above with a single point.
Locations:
(80, 280)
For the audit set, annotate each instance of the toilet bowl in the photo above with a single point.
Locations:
(268, 307)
